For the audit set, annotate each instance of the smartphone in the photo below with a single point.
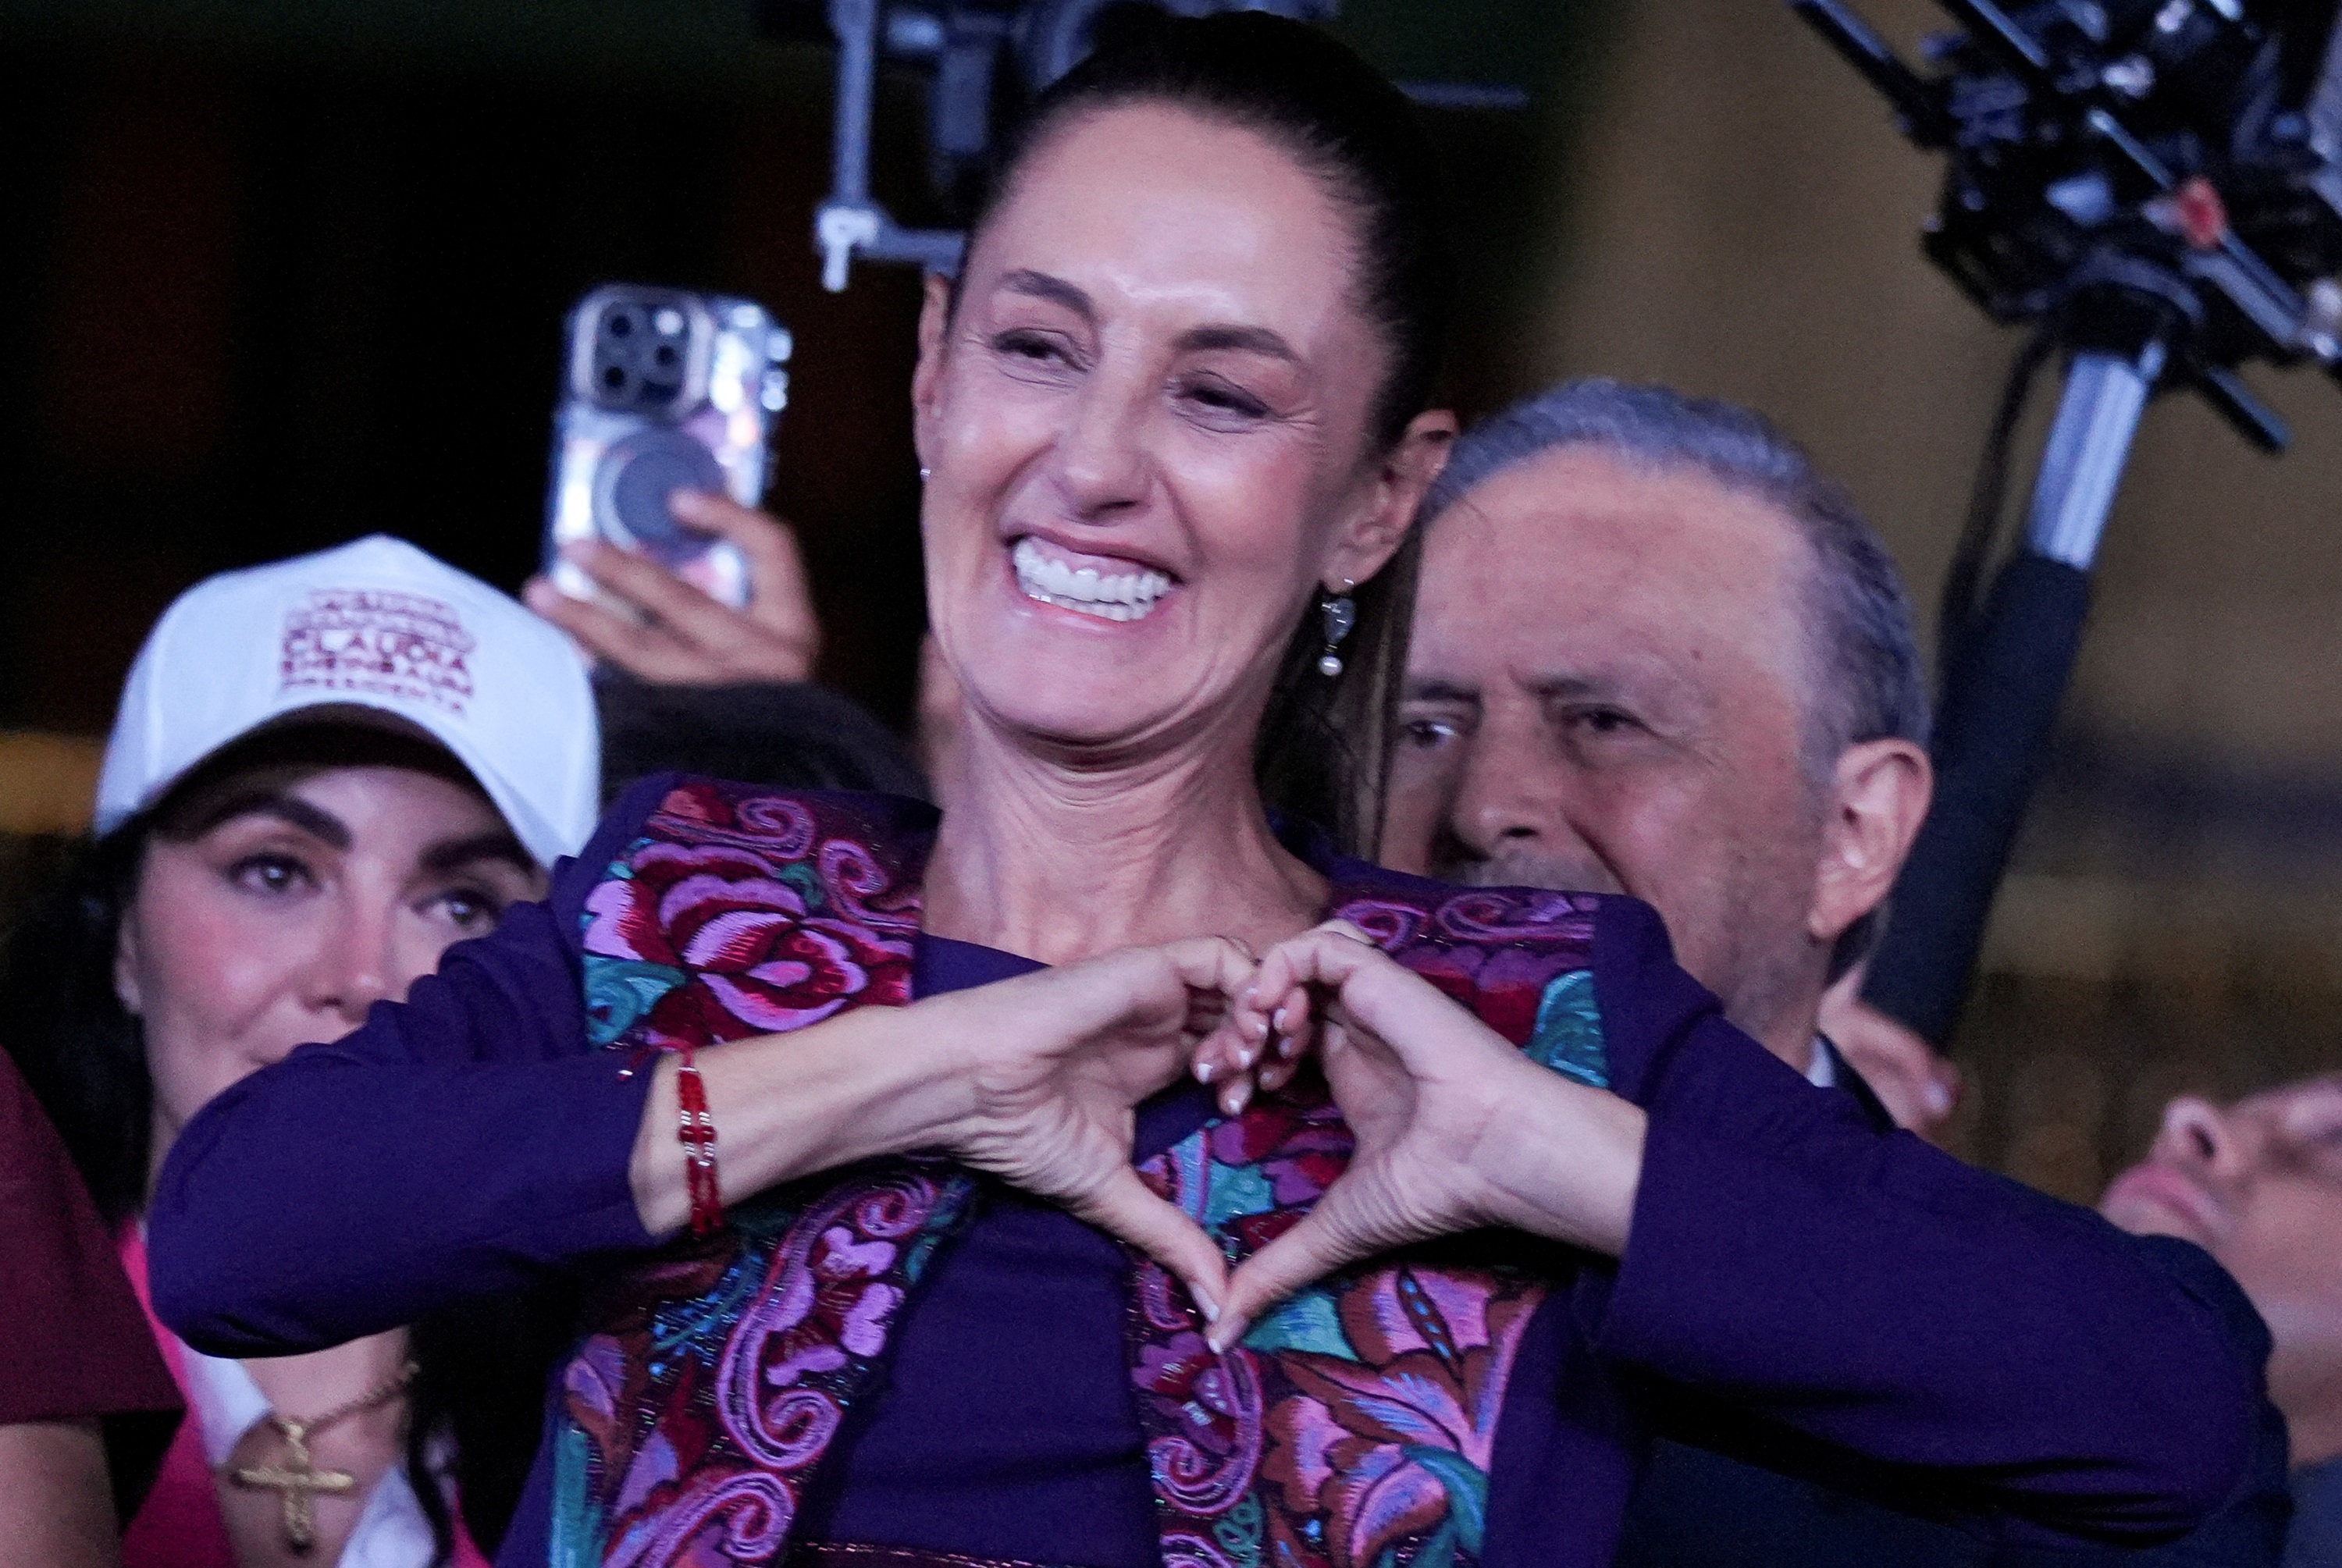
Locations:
(662, 390)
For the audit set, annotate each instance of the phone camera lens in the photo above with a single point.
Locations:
(619, 323)
(613, 376)
(668, 322)
(664, 354)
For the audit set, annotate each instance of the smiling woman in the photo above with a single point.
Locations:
(908, 1156)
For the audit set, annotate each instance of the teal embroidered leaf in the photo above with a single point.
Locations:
(1568, 1033)
(619, 991)
(1236, 1192)
(578, 1526)
(1468, 1492)
(1307, 1321)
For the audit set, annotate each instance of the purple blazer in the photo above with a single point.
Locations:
(1789, 1265)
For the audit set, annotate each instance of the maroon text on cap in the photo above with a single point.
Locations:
(380, 643)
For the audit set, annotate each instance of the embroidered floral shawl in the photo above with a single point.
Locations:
(1353, 1427)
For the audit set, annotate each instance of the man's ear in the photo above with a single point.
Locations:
(927, 377)
(1403, 473)
(1880, 795)
(126, 964)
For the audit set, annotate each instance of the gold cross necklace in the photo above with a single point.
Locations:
(299, 1479)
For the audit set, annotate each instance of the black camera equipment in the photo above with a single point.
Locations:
(983, 60)
(2155, 186)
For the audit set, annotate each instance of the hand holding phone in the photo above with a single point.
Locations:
(663, 390)
(657, 627)
(655, 559)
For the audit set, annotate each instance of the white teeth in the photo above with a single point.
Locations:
(1123, 597)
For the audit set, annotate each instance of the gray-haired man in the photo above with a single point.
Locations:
(1655, 652)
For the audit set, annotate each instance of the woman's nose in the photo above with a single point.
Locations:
(2197, 1134)
(357, 967)
(1102, 465)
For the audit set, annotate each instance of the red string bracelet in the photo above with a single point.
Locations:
(695, 1130)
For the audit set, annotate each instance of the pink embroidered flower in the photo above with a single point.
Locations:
(847, 1314)
(762, 960)
(1381, 1447)
(1489, 948)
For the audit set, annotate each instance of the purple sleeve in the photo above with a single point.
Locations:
(1873, 1293)
(463, 1142)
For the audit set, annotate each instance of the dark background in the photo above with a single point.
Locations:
(276, 277)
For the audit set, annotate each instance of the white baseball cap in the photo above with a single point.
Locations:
(375, 625)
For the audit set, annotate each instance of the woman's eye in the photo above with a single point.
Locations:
(1039, 347)
(470, 908)
(1221, 398)
(271, 874)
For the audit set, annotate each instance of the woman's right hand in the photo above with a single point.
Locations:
(1035, 1080)
(1054, 1065)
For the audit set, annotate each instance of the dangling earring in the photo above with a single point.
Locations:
(1340, 613)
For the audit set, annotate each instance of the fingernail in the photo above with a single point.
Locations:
(1241, 1093)
(1282, 1022)
(1204, 1302)
(1939, 1098)
(1205, 1072)
(1288, 1047)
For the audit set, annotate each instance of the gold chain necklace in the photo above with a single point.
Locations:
(299, 1479)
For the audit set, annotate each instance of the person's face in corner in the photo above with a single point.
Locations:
(296, 904)
(1149, 427)
(2259, 1185)
(1604, 694)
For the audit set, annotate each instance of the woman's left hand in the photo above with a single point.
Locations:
(1455, 1129)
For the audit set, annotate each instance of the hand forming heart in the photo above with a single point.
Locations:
(1051, 1066)
(1455, 1128)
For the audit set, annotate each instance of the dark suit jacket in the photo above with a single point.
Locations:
(1727, 1493)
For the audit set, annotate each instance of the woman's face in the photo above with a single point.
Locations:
(301, 905)
(1148, 430)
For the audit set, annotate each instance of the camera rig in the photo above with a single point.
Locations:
(984, 60)
(2155, 186)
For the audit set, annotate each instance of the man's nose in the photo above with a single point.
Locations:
(2197, 1134)
(1507, 796)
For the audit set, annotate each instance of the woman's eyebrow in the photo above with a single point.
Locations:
(1246, 339)
(317, 823)
(1056, 289)
(498, 843)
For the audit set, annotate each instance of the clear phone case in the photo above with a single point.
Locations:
(662, 390)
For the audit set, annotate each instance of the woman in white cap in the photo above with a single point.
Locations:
(324, 772)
